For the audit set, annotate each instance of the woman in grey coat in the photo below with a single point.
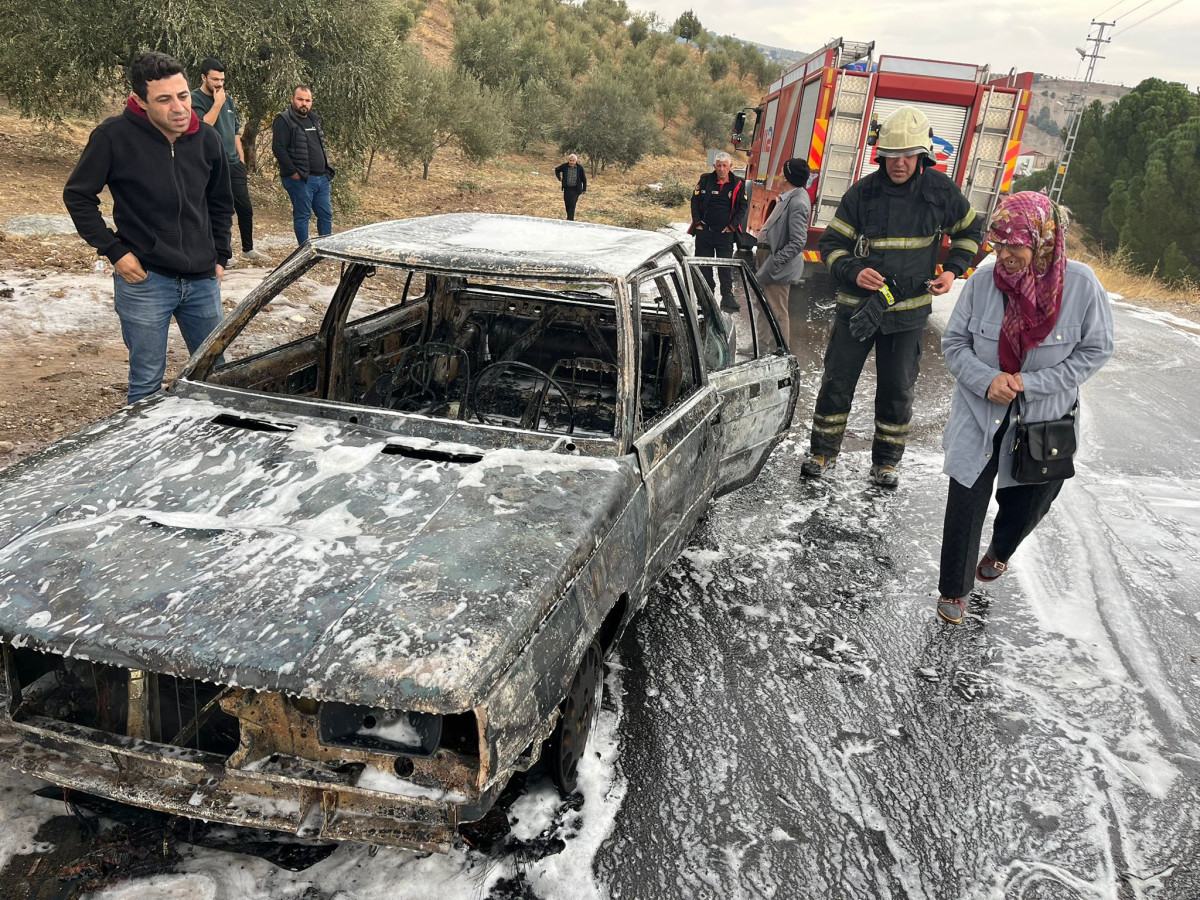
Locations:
(781, 242)
(1033, 326)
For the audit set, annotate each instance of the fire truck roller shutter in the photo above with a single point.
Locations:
(949, 124)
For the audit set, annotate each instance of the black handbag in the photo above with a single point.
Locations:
(1043, 451)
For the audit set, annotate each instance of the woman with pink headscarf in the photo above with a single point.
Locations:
(1032, 324)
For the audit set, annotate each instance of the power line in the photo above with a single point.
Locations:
(1135, 9)
(1114, 6)
(1149, 17)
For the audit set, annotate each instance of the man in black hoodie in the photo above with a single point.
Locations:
(173, 209)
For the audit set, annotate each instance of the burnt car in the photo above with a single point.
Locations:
(361, 562)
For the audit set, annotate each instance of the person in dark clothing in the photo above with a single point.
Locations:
(299, 146)
(574, 182)
(173, 211)
(214, 106)
(882, 250)
(719, 207)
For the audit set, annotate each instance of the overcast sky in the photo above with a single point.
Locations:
(1030, 35)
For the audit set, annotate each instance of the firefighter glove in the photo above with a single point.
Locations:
(867, 317)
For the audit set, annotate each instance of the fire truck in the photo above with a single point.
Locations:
(828, 106)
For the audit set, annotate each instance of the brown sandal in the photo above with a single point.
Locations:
(989, 562)
(952, 610)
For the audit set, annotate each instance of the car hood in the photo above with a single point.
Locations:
(294, 555)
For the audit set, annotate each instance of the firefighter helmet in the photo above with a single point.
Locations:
(905, 132)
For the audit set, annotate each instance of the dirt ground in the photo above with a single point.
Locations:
(64, 362)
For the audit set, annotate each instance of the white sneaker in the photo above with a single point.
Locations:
(256, 255)
(232, 262)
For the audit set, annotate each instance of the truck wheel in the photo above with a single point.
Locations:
(576, 715)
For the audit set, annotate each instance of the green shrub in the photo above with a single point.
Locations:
(669, 193)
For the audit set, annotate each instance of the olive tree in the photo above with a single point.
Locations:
(77, 59)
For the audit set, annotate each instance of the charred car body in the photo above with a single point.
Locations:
(360, 563)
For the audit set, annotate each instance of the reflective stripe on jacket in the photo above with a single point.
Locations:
(897, 230)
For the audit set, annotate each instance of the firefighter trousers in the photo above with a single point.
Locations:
(897, 364)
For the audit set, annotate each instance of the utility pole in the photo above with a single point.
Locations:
(1078, 104)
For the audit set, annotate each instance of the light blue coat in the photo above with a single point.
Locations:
(785, 232)
(1074, 350)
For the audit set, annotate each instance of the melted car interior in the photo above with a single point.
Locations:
(541, 357)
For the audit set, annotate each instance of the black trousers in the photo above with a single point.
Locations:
(241, 204)
(718, 245)
(1022, 506)
(897, 365)
(570, 198)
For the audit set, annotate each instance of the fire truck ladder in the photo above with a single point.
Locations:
(993, 133)
(841, 143)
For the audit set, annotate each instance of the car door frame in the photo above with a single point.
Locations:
(758, 396)
(679, 452)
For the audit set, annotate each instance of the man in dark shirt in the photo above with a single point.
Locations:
(718, 213)
(299, 146)
(213, 105)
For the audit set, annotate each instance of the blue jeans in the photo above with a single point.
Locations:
(310, 197)
(145, 310)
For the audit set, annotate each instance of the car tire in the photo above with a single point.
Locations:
(577, 714)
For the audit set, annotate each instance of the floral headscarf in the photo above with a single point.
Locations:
(1034, 294)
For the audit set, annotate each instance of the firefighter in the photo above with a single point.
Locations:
(881, 249)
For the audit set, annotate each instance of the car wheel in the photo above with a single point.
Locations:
(577, 713)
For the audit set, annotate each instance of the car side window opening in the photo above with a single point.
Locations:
(523, 354)
(279, 349)
(667, 364)
(718, 331)
(742, 336)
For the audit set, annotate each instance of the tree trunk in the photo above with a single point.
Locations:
(425, 172)
(250, 143)
(370, 162)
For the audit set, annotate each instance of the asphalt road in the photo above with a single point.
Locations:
(797, 723)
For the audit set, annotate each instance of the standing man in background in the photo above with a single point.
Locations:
(574, 183)
(299, 147)
(718, 212)
(173, 210)
(781, 243)
(213, 105)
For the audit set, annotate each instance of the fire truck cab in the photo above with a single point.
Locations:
(827, 107)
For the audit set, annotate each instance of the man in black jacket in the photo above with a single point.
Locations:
(299, 146)
(719, 206)
(574, 183)
(173, 210)
(882, 250)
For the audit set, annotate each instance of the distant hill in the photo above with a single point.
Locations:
(1054, 96)
(781, 55)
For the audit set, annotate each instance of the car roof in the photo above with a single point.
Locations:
(499, 244)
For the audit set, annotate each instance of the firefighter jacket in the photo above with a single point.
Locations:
(897, 229)
(719, 206)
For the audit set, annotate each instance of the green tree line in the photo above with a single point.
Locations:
(1134, 179)
(592, 77)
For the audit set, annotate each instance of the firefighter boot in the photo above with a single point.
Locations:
(817, 465)
(885, 475)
